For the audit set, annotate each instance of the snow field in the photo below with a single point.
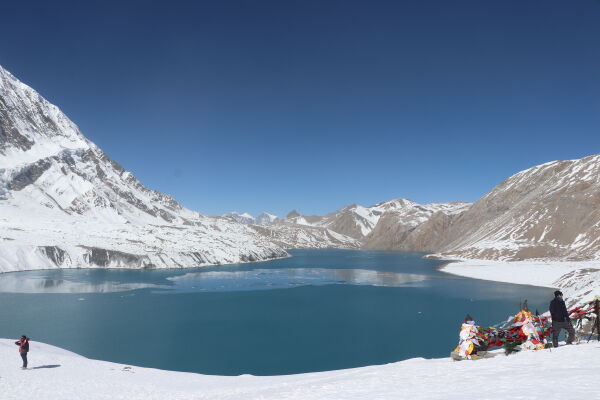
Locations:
(569, 372)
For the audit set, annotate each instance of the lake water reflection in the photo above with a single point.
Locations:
(318, 310)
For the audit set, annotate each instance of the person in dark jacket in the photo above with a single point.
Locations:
(560, 319)
(23, 344)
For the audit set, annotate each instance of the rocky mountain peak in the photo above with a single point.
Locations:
(292, 214)
(30, 126)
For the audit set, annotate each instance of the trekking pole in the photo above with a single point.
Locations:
(596, 324)
(597, 309)
(593, 329)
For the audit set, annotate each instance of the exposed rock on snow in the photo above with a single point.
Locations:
(64, 203)
(60, 374)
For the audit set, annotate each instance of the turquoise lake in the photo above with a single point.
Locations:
(318, 310)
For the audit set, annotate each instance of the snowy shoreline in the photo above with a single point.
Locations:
(579, 280)
(48, 267)
(59, 374)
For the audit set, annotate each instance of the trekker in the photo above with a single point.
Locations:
(471, 344)
(560, 319)
(23, 344)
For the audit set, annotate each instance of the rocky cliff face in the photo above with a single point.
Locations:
(549, 211)
(64, 203)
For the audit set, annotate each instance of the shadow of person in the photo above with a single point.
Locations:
(47, 366)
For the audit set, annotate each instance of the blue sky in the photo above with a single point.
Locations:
(312, 105)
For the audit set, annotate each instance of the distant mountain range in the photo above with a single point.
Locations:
(64, 203)
(264, 219)
(398, 224)
(550, 211)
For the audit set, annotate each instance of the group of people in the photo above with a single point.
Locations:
(473, 340)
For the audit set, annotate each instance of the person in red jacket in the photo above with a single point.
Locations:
(23, 344)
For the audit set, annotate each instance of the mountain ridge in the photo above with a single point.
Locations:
(64, 203)
(74, 207)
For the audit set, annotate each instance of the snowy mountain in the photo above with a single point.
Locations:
(243, 218)
(290, 235)
(550, 211)
(398, 224)
(264, 219)
(383, 225)
(64, 203)
(413, 227)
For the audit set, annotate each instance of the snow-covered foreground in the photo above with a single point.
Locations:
(579, 280)
(567, 372)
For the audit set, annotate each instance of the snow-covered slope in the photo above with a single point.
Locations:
(550, 211)
(64, 203)
(292, 235)
(568, 372)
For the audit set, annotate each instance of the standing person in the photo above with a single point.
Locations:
(23, 344)
(560, 319)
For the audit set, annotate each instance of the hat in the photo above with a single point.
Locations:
(558, 293)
